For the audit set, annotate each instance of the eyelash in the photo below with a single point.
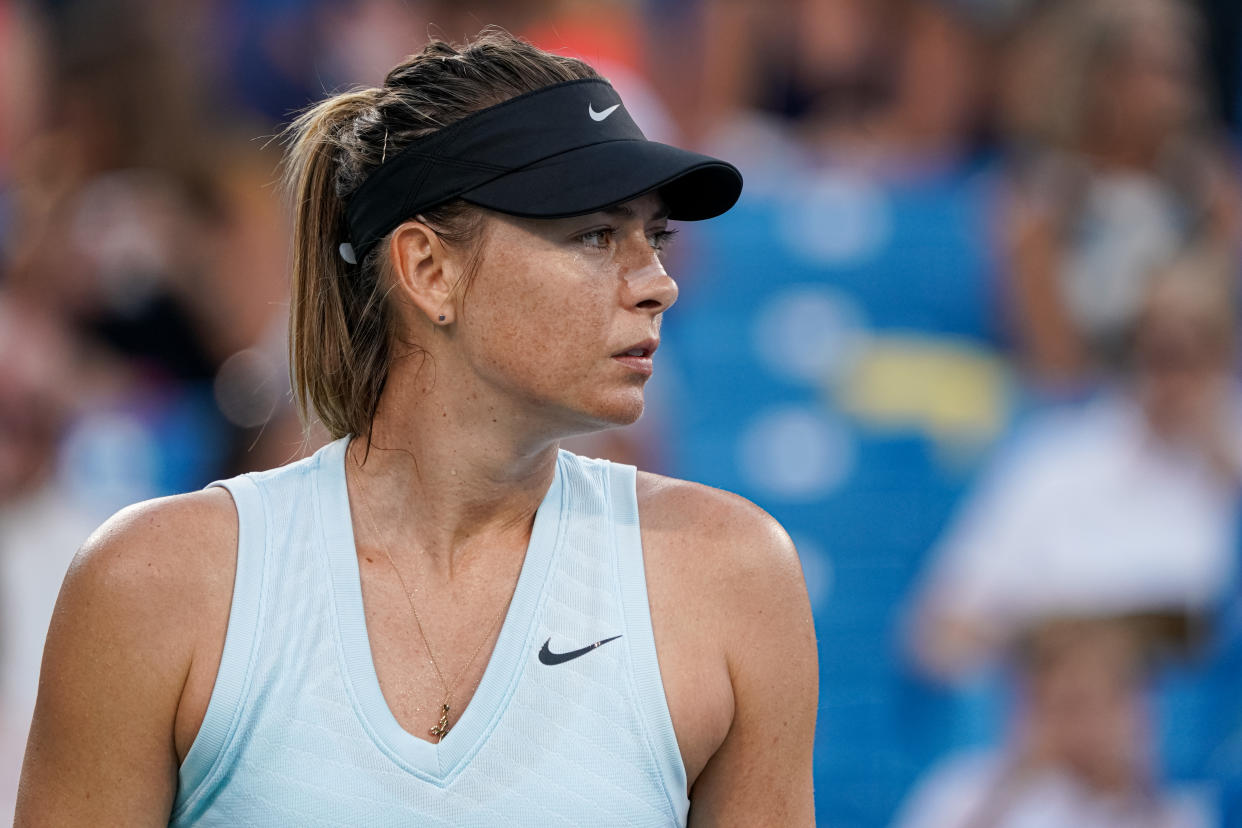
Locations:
(660, 239)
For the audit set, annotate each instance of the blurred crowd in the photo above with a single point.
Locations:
(971, 334)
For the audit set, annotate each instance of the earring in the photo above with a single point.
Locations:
(441, 317)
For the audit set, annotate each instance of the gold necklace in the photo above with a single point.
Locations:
(442, 726)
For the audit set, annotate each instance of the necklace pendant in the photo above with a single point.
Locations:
(442, 726)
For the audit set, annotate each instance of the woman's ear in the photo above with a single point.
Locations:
(425, 271)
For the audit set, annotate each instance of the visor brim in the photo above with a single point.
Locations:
(595, 177)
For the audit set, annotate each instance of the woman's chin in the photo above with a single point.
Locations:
(626, 409)
(621, 410)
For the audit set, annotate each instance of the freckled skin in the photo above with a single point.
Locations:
(547, 311)
(462, 449)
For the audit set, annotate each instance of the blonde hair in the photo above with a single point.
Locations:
(1046, 87)
(341, 327)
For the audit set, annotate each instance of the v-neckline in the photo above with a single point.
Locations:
(441, 761)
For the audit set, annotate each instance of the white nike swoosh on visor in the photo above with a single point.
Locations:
(599, 116)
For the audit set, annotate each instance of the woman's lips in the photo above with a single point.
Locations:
(640, 364)
(637, 357)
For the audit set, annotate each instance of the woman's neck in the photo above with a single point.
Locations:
(447, 474)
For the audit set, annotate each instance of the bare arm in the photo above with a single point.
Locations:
(761, 774)
(1052, 347)
(136, 605)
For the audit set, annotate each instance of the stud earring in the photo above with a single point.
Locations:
(441, 317)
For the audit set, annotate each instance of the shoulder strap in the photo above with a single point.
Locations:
(232, 678)
(632, 578)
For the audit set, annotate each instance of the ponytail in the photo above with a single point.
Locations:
(339, 323)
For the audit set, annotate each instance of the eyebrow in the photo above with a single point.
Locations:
(623, 211)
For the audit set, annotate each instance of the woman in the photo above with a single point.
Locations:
(1118, 169)
(1079, 750)
(440, 618)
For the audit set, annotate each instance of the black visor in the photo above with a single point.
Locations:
(563, 150)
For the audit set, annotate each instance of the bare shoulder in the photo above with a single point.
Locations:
(171, 550)
(182, 520)
(724, 557)
(163, 571)
(736, 643)
(703, 525)
(140, 618)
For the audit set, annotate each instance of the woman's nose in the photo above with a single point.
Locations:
(648, 285)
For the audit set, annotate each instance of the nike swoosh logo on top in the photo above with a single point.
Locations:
(599, 116)
(548, 657)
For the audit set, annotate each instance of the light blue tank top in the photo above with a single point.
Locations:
(298, 733)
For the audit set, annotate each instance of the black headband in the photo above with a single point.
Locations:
(564, 150)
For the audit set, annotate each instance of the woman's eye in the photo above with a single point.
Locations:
(661, 239)
(597, 238)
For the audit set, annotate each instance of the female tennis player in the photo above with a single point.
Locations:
(441, 619)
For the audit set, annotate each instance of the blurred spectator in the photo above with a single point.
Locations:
(117, 203)
(1080, 751)
(1127, 504)
(154, 231)
(1118, 166)
(42, 522)
(890, 86)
